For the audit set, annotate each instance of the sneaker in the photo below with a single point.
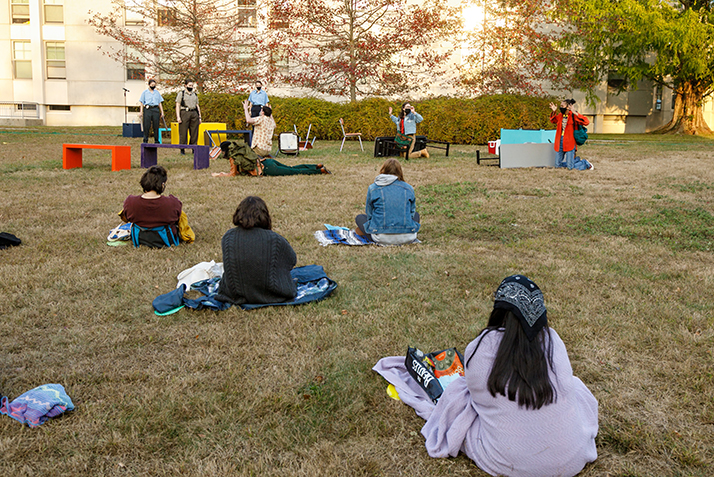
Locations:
(183, 152)
(591, 167)
(324, 170)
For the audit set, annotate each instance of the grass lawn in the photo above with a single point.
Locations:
(623, 254)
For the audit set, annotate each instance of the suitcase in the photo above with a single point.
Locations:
(288, 143)
(386, 147)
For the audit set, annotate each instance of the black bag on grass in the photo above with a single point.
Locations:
(8, 240)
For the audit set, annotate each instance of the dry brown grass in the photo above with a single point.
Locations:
(623, 254)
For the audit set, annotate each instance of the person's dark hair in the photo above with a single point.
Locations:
(267, 111)
(225, 146)
(154, 179)
(252, 212)
(187, 81)
(570, 101)
(393, 167)
(521, 366)
(151, 80)
(401, 111)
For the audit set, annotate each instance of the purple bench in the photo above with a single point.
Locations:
(149, 154)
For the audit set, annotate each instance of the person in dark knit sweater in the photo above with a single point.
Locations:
(256, 260)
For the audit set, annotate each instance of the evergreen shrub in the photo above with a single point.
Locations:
(455, 120)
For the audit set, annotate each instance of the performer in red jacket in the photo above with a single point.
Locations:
(565, 121)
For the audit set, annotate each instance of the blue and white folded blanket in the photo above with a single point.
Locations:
(37, 405)
(312, 285)
(342, 237)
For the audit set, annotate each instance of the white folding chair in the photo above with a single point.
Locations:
(350, 136)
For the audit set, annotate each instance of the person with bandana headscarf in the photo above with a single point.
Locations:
(518, 410)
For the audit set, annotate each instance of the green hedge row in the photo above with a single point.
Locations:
(456, 120)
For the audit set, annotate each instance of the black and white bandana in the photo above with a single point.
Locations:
(524, 299)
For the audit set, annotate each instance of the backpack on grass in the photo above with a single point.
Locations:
(155, 237)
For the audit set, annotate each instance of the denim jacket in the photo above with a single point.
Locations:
(410, 122)
(390, 207)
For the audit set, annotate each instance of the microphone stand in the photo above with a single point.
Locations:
(125, 110)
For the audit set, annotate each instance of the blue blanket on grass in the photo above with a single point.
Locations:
(312, 285)
(37, 405)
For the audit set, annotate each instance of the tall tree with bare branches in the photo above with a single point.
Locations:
(210, 41)
(357, 48)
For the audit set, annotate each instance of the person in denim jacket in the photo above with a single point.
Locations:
(391, 216)
(406, 124)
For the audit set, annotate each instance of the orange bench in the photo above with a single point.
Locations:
(72, 155)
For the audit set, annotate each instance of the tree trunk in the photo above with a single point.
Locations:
(352, 74)
(688, 117)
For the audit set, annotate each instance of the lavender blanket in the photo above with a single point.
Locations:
(37, 405)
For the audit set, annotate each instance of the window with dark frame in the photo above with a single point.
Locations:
(615, 85)
(246, 13)
(278, 18)
(59, 107)
(165, 16)
(135, 71)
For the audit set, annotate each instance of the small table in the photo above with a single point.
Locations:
(479, 159)
(149, 154)
(445, 145)
(72, 155)
(247, 135)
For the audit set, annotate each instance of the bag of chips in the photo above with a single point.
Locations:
(434, 371)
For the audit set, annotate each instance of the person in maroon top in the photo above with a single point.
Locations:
(151, 209)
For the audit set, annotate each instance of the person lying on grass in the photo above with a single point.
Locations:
(256, 260)
(256, 160)
(391, 216)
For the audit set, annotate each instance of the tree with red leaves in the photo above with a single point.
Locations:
(360, 47)
(212, 42)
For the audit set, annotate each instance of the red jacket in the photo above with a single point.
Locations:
(568, 139)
